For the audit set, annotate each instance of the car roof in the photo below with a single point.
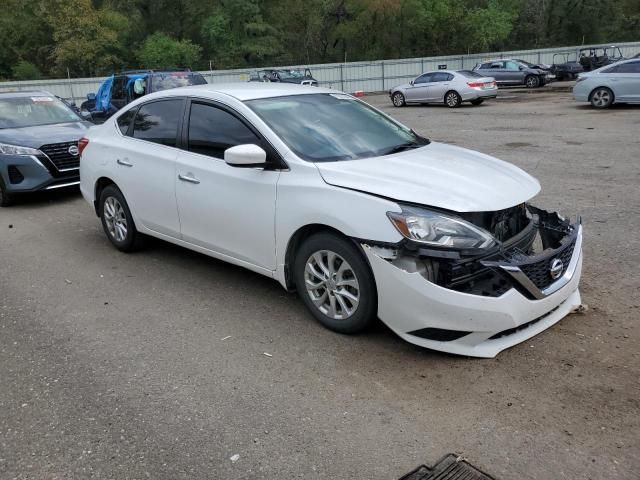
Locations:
(25, 93)
(246, 90)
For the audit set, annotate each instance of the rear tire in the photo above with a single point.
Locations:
(452, 99)
(6, 199)
(532, 81)
(398, 100)
(601, 97)
(477, 101)
(335, 283)
(117, 221)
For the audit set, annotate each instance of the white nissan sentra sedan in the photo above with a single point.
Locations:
(333, 198)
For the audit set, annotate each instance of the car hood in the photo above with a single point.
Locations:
(35, 137)
(436, 175)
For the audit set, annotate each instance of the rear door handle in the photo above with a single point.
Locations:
(124, 163)
(188, 178)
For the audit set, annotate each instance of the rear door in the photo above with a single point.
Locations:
(438, 86)
(418, 92)
(144, 163)
(223, 208)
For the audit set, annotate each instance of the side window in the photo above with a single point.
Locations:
(124, 121)
(496, 65)
(441, 77)
(158, 122)
(426, 78)
(485, 66)
(512, 66)
(213, 130)
(631, 67)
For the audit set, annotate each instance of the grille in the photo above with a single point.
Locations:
(539, 272)
(15, 175)
(59, 154)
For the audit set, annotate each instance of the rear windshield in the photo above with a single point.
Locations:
(165, 81)
(18, 112)
(469, 74)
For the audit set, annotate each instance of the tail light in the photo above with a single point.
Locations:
(82, 144)
(476, 84)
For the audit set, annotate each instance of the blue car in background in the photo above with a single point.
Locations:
(39, 148)
(122, 88)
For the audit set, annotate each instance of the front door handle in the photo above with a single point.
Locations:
(124, 163)
(188, 178)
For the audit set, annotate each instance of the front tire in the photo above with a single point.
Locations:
(452, 99)
(117, 221)
(335, 283)
(398, 100)
(532, 81)
(601, 97)
(477, 101)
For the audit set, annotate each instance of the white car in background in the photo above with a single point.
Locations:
(333, 198)
(615, 83)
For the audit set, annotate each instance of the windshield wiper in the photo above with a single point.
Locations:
(403, 147)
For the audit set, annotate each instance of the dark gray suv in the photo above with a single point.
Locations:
(508, 71)
(39, 137)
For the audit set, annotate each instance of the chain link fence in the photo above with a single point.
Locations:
(374, 76)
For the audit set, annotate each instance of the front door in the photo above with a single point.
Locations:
(438, 86)
(228, 210)
(513, 72)
(418, 92)
(625, 80)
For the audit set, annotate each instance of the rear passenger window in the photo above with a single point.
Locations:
(213, 130)
(158, 122)
(124, 120)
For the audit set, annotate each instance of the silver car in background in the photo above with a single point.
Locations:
(616, 83)
(445, 86)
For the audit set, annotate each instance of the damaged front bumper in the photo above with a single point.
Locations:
(480, 305)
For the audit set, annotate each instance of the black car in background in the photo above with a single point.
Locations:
(298, 76)
(39, 148)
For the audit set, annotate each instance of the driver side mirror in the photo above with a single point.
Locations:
(411, 83)
(521, 68)
(246, 156)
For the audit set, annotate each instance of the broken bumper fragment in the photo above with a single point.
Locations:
(481, 305)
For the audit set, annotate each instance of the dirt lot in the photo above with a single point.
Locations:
(113, 365)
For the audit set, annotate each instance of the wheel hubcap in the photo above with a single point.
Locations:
(531, 82)
(397, 100)
(452, 99)
(332, 284)
(115, 219)
(601, 98)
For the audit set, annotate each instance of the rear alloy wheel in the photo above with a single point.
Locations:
(532, 81)
(398, 100)
(601, 97)
(335, 283)
(6, 200)
(477, 101)
(117, 221)
(452, 99)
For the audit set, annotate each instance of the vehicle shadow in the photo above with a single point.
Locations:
(46, 197)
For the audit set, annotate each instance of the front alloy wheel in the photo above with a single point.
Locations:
(602, 98)
(398, 100)
(532, 81)
(335, 282)
(332, 285)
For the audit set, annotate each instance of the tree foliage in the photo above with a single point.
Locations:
(91, 37)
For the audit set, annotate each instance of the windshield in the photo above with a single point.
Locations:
(470, 74)
(18, 112)
(286, 74)
(333, 126)
(165, 81)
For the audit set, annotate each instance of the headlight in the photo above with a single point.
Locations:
(439, 230)
(6, 149)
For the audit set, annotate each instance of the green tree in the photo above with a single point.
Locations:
(26, 71)
(161, 51)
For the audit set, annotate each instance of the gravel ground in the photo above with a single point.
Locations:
(152, 365)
